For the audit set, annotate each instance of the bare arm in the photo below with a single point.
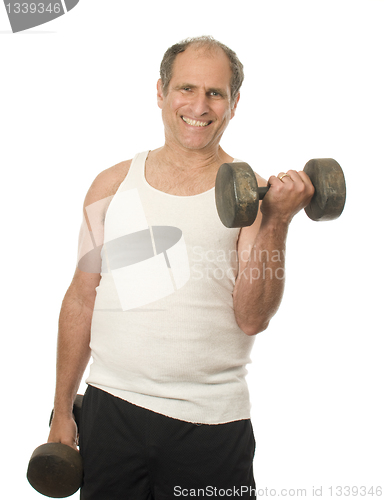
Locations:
(73, 353)
(260, 284)
(73, 346)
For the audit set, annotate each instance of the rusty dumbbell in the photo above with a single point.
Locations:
(55, 469)
(238, 195)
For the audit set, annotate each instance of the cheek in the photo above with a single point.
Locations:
(177, 103)
(227, 114)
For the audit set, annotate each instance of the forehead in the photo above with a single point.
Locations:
(202, 66)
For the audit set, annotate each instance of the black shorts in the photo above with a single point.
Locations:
(131, 453)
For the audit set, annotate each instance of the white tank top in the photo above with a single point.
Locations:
(164, 335)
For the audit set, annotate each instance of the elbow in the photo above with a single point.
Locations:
(252, 329)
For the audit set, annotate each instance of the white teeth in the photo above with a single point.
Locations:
(195, 123)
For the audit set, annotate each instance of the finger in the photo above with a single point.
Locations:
(304, 177)
(273, 181)
(295, 176)
(284, 177)
(73, 444)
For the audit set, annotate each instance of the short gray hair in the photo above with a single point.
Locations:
(208, 42)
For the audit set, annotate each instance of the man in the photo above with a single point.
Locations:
(179, 300)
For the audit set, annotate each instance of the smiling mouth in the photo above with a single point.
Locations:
(195, 123)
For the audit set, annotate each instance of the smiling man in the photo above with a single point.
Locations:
(199, 94)
(169, 309)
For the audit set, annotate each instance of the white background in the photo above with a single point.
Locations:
(78, 96)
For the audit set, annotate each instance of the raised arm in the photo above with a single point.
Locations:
(261, 248)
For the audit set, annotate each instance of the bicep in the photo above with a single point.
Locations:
(246, 241)
(83, 287)
(247, 236)
(91, 236)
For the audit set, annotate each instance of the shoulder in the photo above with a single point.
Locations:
(101, 192)
(107, 183)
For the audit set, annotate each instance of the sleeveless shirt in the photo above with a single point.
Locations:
(164, 335)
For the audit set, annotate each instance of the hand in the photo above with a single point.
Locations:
(287, 195)
(64, 430)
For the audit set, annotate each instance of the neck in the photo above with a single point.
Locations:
(168, 170)
(190, 160)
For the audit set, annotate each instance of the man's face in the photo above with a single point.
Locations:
(197, 107)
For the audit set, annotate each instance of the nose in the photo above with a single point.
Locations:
(200, 104)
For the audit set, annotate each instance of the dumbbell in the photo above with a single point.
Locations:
(55, 469)
(238, 195)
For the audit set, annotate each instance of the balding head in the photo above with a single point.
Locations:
(210, 46)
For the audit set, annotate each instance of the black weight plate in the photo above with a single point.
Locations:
(55, 470)
(236, 191)
(328, 180)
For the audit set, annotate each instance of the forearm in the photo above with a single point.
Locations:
(259, 287)
(73, 350)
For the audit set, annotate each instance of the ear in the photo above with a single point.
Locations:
(235, 105)
(160, 95)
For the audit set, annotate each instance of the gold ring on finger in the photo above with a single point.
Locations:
(284, 175)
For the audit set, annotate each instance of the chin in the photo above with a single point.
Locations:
(193, 144)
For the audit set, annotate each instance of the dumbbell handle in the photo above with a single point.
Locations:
(263, 191)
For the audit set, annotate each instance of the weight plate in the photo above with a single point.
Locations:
(55, 470)
(328, 180)
(236, 191)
